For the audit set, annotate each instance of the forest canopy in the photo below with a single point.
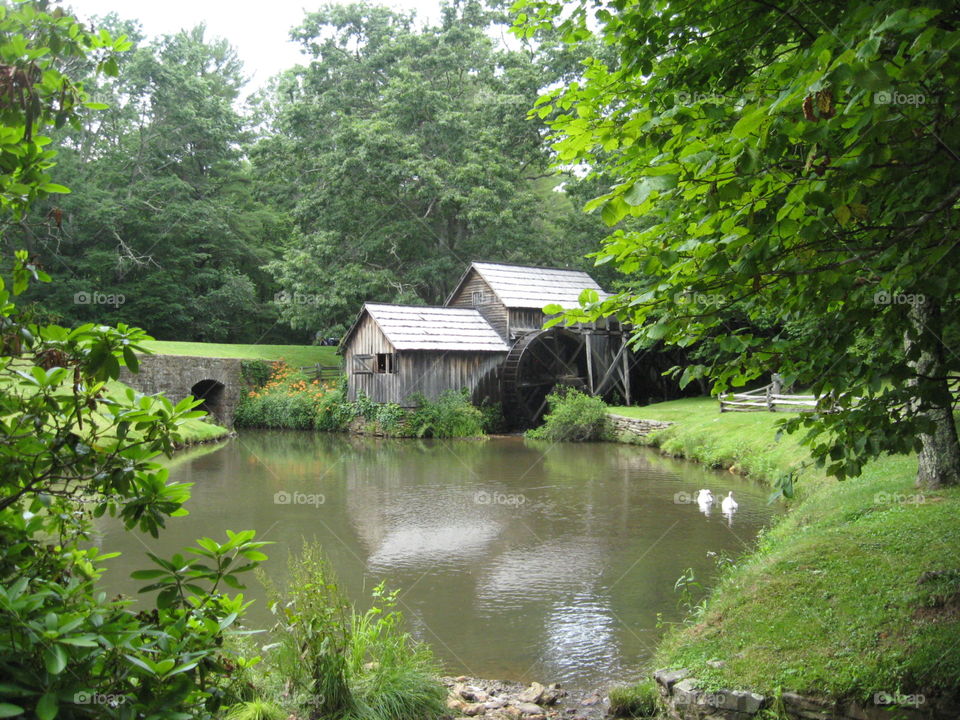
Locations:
(377, 169)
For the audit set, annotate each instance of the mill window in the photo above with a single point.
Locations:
(386, 363)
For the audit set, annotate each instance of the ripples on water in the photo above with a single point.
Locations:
(515, 560)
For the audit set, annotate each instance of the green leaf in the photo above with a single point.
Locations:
(8, 710)
(748, 123)
(614, 211)
(148, 574)
(130, 358)
(587, 296)
(48, 707)
(55, 659)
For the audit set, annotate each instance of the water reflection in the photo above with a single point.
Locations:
(515, 559)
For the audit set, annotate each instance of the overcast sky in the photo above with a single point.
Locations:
(260, 36)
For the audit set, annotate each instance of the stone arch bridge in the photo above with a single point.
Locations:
(215, 381)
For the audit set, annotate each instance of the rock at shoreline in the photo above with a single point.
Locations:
(480, 699)
(551, 694)
(591, 700)
(454, 704)
(472, 693)
(532, 694)
(529, 708)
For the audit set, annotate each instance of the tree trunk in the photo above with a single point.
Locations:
(938, 463)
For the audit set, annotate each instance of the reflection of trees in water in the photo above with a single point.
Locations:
(399, 499)
(586, 561)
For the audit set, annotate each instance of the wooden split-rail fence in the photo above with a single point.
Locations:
(769, 399)
(323, 372)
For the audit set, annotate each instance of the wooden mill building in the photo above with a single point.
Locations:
(488, 339)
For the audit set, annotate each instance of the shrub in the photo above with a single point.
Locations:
(634, 701)
(390, 420)
(255, 373)
(450, 415)
(313, 634)
(333, 413)
(392, 676)
(349, 665)
(493, 418)
(287, 400)
(256, 710)
(574, 417)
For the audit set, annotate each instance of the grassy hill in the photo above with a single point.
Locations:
(854, 592)
(294, 355)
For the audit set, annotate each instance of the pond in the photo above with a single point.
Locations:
(515, 559)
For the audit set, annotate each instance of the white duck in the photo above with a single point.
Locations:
(729, 505)
(704, 497)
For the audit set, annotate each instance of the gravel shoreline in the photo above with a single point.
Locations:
(500, 700)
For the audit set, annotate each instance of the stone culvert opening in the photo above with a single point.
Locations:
(210, 395)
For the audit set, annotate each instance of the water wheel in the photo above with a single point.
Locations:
(537, 363)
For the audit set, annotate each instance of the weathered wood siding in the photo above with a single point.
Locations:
(492, 309)
(523, 320)
(419, 371)
(369, 340)
(431, 373)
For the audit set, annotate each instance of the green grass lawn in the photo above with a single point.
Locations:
(744, 442)
(831, 602)
(294, 355)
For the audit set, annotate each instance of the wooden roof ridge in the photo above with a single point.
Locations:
(430, 327)
(522, 295)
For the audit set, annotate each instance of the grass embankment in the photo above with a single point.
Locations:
(294, 355)
(855, 591)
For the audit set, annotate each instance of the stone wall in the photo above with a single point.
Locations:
(685, 700)
(176, 375)
(635, 426)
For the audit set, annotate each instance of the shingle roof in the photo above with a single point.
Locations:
(532, 287)
(409, 327)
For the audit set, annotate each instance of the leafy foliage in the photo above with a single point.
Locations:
(166, 232)
(449, 416)
(340, 663)
(573, 416)
(402, 155)
(69, 451)
(287, 400)
(255, 373)
(635, 701)
(795, 169)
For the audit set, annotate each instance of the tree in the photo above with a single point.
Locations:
(798, 166)
(403, 154)
(69, 449)
(167, 224)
